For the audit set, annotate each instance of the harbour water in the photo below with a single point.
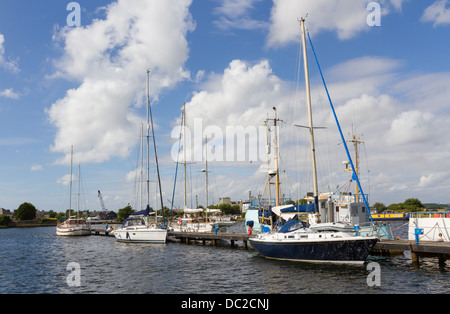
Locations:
(35, 261)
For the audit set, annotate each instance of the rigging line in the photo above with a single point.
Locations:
(340, 131)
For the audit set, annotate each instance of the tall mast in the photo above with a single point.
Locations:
(150, 120)
(206, 175)
(148, 138)
(308, 98)
(141, 175)
(70, 183)
(268, 162)
(79, 189)
(184, 152)
(277, 177)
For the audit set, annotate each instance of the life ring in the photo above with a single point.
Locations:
(180, 222)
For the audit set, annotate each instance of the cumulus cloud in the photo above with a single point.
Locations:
(401, 118)
(109, 59)
(9, 65)
(232, 102)
(9, 93)
(347, 18)
(37, 168)
(237, 14)
(438, 13)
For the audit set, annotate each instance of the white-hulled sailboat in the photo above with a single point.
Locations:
(74, 226)
(139, 227)
(323, 240)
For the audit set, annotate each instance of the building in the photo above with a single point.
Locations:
(5, 212)
(224, 200)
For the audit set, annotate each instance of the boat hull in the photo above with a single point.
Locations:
(147, 235)
(355, 250)
(73, 232)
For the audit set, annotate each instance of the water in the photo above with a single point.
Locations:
(35, 261)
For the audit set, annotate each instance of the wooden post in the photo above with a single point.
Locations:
(414, 257)
(245, 244)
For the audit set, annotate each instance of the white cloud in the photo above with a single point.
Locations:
(65, 180)
(240, 97)
(9, 93)
(432, 179)
(402, 118)
(110, 58)
(438, 13)
(4, 63)
(237, 14)
(37, 168)
(411, 127)
(347, 18)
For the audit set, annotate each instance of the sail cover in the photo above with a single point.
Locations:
(308, 208)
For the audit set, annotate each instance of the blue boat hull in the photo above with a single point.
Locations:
(343, 251)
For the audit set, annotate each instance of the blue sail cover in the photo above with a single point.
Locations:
(308, 208)
(144, 212)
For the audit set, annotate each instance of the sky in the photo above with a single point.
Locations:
(72, 77)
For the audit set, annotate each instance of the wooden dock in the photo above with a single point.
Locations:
(440, 250)
(186, 237)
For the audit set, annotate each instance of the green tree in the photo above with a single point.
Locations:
(379, 207)
(4, 220)
(26, 211)
(414, 202)
(124, 213)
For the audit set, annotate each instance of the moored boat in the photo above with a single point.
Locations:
(74, 227)
(332, 234)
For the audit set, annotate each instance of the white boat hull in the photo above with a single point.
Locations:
(141, 235)
(73, 231)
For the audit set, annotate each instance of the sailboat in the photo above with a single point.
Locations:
(139, 228)
(74, 226)
(190, 222)
(323, 239)
(260, 219)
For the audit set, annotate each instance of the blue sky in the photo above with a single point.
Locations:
(230, 62)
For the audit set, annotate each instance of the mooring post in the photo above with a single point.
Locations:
(414, 257)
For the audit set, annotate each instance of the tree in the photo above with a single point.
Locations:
(414, 202)
(124, 213)
(379, 207)
(4, 220)
(26, 211)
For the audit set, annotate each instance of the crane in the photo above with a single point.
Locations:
(101, 201)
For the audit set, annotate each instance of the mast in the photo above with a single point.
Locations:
(70, 183)
(148, 138)
(277, 176)
(141, 175)
(150, 120)
(308, 98)
(206, 175)
(356, 142)
(79, 189)
(268, 163)
(184, 152)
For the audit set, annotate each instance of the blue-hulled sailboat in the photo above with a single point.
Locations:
(326, 237)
